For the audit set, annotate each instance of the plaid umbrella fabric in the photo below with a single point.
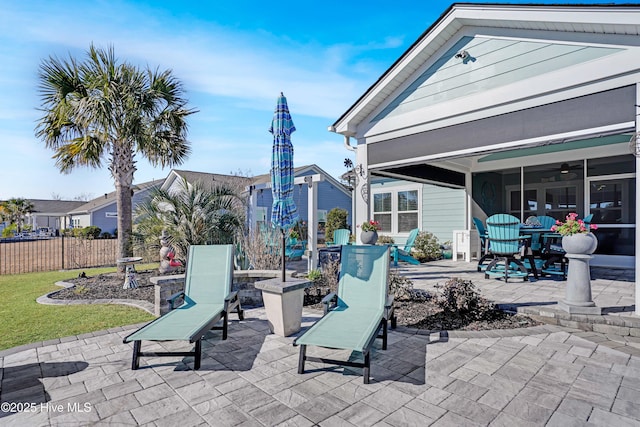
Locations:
(283, 212)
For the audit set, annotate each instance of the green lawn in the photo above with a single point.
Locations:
(23, 320)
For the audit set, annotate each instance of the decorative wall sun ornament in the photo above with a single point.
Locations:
(634, 144)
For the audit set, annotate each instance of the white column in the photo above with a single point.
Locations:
(312, 225)
(253, 203)
(363, 190)
(637, 250)
(468, 201)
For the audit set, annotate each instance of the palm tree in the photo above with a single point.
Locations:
(192, 214)
(14, 211)
(104, 110)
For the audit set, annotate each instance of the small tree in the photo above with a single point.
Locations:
(336, 219)
(194, 214)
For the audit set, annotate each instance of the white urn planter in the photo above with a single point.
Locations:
(578, 299)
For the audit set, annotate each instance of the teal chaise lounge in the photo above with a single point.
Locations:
(208, 300)
(354, 317)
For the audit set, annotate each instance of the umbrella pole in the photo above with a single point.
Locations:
(284, 245)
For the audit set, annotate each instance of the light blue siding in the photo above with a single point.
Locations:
(491, 63)
(443, 210)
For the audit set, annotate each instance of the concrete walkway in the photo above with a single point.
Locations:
(547, 375)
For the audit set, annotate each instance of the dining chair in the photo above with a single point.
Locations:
(506, 245)
(484, 244)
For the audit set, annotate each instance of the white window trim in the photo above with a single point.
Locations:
(394, 190)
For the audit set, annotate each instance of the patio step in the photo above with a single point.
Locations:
(610, 322)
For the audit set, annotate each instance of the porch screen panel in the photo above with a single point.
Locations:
(585, 112)
(612, 201)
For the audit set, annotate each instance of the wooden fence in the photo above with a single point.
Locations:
(59, 253)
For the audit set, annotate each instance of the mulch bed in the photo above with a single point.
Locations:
(420, 315)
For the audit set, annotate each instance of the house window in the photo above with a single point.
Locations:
(407, 211)
(382, 210)
(111, 214)
(397, 210)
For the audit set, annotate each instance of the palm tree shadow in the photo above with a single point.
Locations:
(22, 384)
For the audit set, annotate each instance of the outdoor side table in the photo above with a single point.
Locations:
(130, 280)
(283, 303)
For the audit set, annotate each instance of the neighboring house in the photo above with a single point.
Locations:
(173, 181)
(331, 193)
(529, 109)
(51, 214)
(400, 206)
(102, 211)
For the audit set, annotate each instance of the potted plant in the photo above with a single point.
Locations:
(576, 235)
(369, 235)
(579, 243)
(293, 237)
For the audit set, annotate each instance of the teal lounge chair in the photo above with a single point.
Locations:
(355, 316)
(341, 236)
(207, 301)
(405, 253)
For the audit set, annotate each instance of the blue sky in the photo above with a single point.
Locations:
(233, 58)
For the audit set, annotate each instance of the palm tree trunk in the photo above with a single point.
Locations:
(123, 195)
(122, 168)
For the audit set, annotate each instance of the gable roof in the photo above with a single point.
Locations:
(243, 182)
(54, 207)
(204, 178)
(110, 198)
(302, 171)
(463, 19)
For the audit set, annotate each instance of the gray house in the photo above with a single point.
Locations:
(331, 193)
(102, 211)
(51, 214)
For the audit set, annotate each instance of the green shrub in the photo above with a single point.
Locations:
(105, 235)
(336, 219)
(9, 230)
(401, 287)
(461, 296)
(315, 275)
(385, 240)
(90, 232)
(426, 247)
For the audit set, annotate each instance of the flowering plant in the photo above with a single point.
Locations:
(370, 226)
(572, 226)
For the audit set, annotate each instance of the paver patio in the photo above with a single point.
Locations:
(547, 375)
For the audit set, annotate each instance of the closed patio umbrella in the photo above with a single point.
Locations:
(283, 212)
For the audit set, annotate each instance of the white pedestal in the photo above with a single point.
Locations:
(467, 243)
(283, 304)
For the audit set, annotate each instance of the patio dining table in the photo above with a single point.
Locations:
(547, 237)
